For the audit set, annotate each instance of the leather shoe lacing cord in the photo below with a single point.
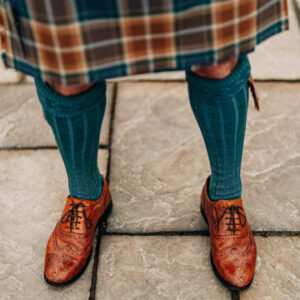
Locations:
(72, 216)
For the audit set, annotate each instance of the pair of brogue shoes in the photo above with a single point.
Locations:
(233, 250)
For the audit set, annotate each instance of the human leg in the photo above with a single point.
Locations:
(75, 115)
(219, 100)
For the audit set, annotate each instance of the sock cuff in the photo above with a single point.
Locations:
(225, 87)
(69, 106)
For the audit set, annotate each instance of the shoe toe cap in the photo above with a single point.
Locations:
(235, 272)
(60, 269)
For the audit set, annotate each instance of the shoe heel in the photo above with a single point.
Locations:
(106, 213)
(203, 214)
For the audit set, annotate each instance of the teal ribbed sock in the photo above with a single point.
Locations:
(220, 107)
(76, 123)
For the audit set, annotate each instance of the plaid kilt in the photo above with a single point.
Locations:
(82, 41)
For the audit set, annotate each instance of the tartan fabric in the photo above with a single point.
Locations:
(81, 41)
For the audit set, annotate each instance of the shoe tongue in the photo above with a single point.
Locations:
(227, 225)
(70, 200)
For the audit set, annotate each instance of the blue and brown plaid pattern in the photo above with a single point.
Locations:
(81, 41)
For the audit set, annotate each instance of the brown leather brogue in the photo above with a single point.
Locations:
(70, 245)
(233, 249)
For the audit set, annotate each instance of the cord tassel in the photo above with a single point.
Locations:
(254, 93)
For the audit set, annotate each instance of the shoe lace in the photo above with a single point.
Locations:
(235, 217)
(72, 216)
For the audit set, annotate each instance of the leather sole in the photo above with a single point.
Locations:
(226, 283)
(81, 271)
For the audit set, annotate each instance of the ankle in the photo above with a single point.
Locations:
(83, 189)
(230, 191)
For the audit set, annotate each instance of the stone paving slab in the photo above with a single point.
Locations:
(21, 118)
(277, 274)
(33, 187)
(9, 76)
(159, 161)
(157, 267)
(276, 58)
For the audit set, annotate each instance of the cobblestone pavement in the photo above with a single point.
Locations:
(155, 244)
